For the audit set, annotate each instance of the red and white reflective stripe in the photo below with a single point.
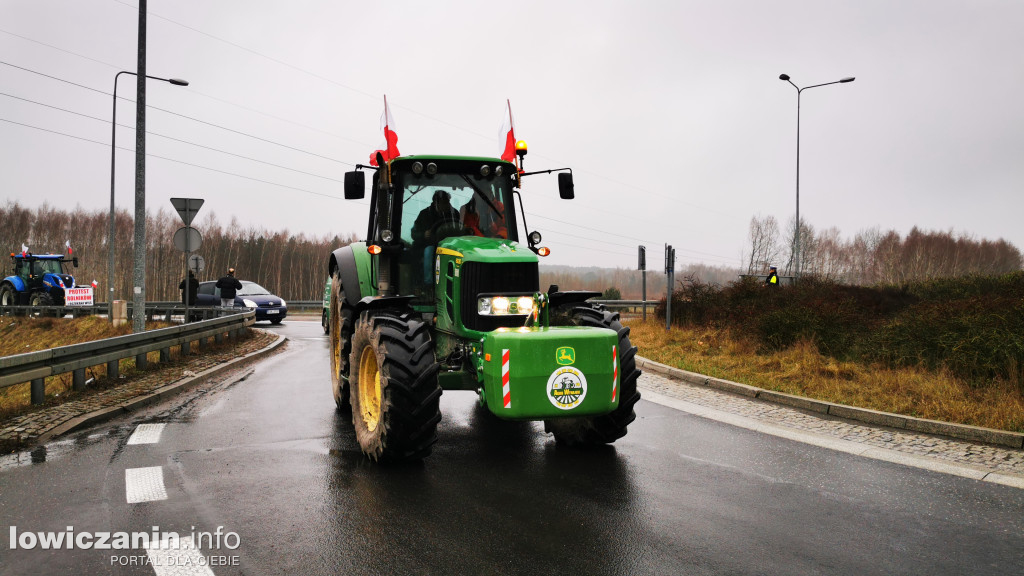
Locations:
(505, 390)
(615, 372)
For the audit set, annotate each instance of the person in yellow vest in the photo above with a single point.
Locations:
(773, 277)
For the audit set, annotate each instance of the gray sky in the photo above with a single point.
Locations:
(671, 114)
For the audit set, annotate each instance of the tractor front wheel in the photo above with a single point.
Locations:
(610, 427)
(395, 394)
(41, 299)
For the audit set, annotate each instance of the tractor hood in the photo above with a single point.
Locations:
(477, 249)
(63, 281)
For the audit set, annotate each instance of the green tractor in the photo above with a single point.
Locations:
(443, 296)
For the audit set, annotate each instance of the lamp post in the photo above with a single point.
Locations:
(799, 90)
(113, 155)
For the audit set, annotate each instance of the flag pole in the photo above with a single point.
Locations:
(387, 145)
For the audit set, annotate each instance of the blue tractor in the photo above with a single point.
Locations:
(38, 280)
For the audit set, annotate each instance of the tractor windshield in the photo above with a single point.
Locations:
(40, 267)
(458, 201)
(443, 205)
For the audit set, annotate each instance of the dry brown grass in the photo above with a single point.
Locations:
(802, 371)
(19, 335)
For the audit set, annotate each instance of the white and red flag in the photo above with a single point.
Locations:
(387, 124)
(24, 250)
(67, 244)
(508, 133)
(95, 284)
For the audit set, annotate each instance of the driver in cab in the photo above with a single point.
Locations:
(434, 223)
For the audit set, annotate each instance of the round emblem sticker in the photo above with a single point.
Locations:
(567, 387)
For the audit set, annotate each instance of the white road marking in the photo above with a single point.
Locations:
(144, 484)
(185, 560)
(146, 434)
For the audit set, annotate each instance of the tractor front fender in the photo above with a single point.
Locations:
(558, 298)
(378, 302)
(353, 265)
(16, 282)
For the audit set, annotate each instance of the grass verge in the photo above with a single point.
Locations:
(801, 370)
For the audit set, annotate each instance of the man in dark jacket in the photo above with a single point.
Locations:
(193, 288)
(228, 285)
(773, 278)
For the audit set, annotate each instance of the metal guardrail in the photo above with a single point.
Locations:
(34, 367)
(153, 309)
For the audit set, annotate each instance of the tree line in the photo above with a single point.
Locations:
(876, 257)
(293, 266)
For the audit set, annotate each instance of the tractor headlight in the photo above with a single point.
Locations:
(249, 303)
(505, 306)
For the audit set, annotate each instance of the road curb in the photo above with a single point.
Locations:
(96, 416)
(898, 421)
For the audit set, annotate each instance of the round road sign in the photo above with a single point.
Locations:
(187, 239)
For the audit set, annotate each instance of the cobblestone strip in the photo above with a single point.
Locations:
(995, 458)
(31, 425)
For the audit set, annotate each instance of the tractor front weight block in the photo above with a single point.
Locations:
(548, 373)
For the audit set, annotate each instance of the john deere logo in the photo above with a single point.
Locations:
(565, 356)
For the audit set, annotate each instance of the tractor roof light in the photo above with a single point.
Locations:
(374, 249)
(485, 170)
(543, 251)
(521, 148)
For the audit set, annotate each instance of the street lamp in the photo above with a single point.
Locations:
(113, 155)
(799, 90)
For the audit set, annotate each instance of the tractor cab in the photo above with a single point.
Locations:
(430, 202)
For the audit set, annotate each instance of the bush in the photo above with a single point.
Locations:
(973, 326)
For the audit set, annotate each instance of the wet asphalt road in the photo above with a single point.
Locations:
(269, 459)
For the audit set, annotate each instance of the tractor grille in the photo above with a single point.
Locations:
(504, 278)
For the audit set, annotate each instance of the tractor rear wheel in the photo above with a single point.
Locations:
(605, 429)
(395, 394)
(340, 324)
(8, 295)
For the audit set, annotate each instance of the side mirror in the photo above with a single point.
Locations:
(355, 185)
(74, 261)
(565, 187)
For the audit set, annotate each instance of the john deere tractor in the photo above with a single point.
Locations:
(37, 280)
(444, 296)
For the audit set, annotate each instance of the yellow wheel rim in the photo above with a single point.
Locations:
(369, 389)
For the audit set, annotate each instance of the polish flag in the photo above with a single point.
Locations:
(67, 244)
(387, 124)
(24, 250)
(95, 284)
(508, 132)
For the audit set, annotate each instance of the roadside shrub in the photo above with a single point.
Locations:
(972, 326)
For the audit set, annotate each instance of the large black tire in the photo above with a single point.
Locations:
(341, 323)
(8, 295)
(395, 395)
(41, 299)
(594, 430)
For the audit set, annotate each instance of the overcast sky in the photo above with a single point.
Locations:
(670, 113)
